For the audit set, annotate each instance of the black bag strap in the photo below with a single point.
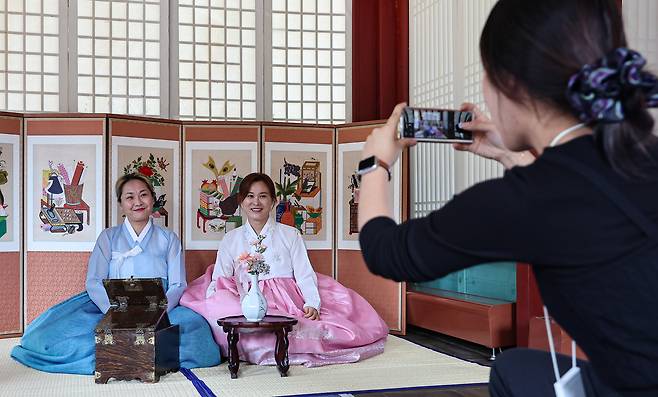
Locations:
(614, 194)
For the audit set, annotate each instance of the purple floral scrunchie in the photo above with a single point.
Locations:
(595, 92)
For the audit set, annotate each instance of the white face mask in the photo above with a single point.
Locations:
(571, 383)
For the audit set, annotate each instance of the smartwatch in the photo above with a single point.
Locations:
(370, 164)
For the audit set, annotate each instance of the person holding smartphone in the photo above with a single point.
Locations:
(561, 83)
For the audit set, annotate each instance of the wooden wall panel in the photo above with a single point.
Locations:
(10, 124)
(52, 277)
(385, 296)
(60, 126)
(197, 261)
(10, 293)
(380, 57)
(528, 303)
(144, 128)
(322, 261)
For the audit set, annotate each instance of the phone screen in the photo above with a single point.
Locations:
(434, 125)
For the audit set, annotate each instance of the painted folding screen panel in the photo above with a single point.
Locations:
(217, 156)
(151, 148)
(387, 297)
(11, 233)
(65, 209)
(300, 161)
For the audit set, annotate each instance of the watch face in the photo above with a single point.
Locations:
(367, 164)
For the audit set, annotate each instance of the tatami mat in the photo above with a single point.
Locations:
(403, 364)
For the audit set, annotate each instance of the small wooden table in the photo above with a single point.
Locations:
(280, 325)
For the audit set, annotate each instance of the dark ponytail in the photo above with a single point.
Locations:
(630, 144)
(537, 48)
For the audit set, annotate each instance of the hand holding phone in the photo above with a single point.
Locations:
(434, 125)
(384, 143)
(488, 142)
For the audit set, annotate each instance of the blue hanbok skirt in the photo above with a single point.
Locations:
(62, 338)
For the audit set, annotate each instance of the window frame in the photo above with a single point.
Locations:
(73, 56)
(169, 62)
(268, 67)
(174, 102)
(24, 72)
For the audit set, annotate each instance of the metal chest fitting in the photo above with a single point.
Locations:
(108, 339)
(139, 337)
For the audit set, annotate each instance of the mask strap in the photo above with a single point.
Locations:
(552, 346)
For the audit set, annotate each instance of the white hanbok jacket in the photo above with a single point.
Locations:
(121, 253)
(285, 254)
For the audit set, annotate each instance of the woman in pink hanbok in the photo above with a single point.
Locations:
(336, 325)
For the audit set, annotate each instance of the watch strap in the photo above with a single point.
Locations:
(379, 164)
(385, 166)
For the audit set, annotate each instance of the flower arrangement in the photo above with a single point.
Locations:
(255, 263)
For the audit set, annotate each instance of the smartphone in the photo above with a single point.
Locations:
(434, 125)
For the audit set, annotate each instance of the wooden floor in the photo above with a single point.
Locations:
(451, 346)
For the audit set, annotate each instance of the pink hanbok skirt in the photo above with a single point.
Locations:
(349, 328)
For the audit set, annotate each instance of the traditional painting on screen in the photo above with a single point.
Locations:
(349, 155)
(213, 173)
(303, 178)
(10, 179)
(64, 192)
(157, 161)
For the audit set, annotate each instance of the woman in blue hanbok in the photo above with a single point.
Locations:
(62, 338)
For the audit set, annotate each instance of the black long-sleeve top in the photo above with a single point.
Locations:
(596, 267)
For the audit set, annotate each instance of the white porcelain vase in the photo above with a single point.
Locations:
(254, 304)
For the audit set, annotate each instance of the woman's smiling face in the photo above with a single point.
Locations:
(258, 203)
(136, 201)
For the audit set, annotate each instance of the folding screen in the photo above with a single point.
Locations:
(386, 296)
(11, 186)
(216, 157)
(299, 159)
(150, 147)
(65, 209)
(69, 181)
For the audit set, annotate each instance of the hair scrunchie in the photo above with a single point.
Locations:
(596, 91)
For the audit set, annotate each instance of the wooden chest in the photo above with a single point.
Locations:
(135, 339)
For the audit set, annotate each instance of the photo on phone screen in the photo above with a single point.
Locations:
(434, 125)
